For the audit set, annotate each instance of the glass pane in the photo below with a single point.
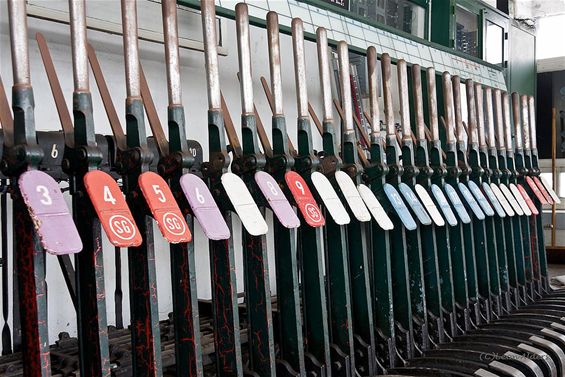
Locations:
(494, 52)
(399, 14)
(467, 31)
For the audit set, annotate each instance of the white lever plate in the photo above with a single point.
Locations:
(415, 204)
(457, 204)
(244, 205)
(399, 207)
(352, 197)
(375, 207)
(330, 199)
(483, 202)
(502, 199)
(520, 200)
(444, 205)
(508, 194)
(493, 200)
(548, 188)
(429, 205)
(464, 190)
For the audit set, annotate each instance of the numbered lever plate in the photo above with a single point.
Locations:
(112, 209)
(352, 197)
(502, 199)
(470, 199)
(457, 204)
(278, 202)
(49, 213)
(444, 205)
(536, 190)
(204, 207)
(429, 205)
(508, 194)
(548, 189)
(399, 207)
(375, 207)
(244, 205)
(541, 187)
(330, 199)
(164, 208)
(483, 202)
(493, 200)
(304, 199)
(415, 204)
(520, 200)
(528, 200)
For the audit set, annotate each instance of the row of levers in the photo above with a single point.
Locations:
(410, 245)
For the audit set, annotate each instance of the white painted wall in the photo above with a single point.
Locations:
(109, 49)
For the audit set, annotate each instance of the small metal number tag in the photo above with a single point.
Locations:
(352, 197)
(470, 199)
(375, 207)
(399, 207)
(444, 205)
(511, 199)
(536, 190)
(330, 199)
(278, 202)
(112, 209)
(164, 208)
(483, 202)
(528, 200)
(457, 204)
(502, 199)
(429, 205)
(493, 200)
(304, 199)
(415, 204)
(520, 199)
(244, 205)
(49, 213)
(204, 207)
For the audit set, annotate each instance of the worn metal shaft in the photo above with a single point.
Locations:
(489, 118)
(506, 122)
(299, 67)
(500, 144)
(471, 111)
(324, 68)
(18, 36)
(386, 67)
(170, 30)
(532, 117)
(275, 61)
(373, 88)
(480, 107)
(78, 42)
(432, 103)
(208, 10)
(131, 47)
(418, 102)
(244, 55)
(524, 127)
(345, 86)
(448, 107)
(402, 74)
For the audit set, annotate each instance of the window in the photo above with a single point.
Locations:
(494, 48)
(399, 14)
(466, 31)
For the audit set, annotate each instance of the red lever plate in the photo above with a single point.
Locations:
(548, 197)
(535, 189)
(528, 200)
(49, 212)
(112, 209)
(304, 199)
(164, 208)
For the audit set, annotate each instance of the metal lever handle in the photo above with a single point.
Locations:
(345, 87)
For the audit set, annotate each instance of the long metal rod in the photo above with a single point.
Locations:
(471, 112)
(507, 123)
(526, 121)
(401, 70)
(459, 126)
(500, 144)
(17, 17)
(244, 57)
(208, 9)
(490, 139)
(373, 89)
(418, 102)
(131, 48)
(300, 67)
(275, 61)
(479, 106)
(518, 118)
(325, 78)
(432, 104)
(345, 86)
(386, 67)
(78, 42)
(170, 30)
(449, 115)
(532, 117)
